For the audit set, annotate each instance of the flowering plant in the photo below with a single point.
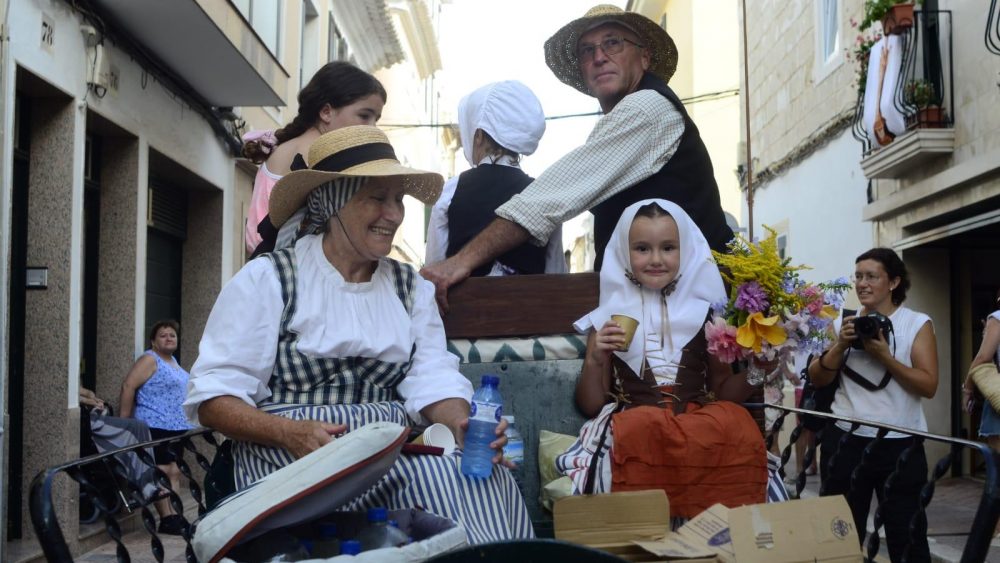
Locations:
(859, 54)
(770, 312)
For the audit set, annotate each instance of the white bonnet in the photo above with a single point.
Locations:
(509, 111)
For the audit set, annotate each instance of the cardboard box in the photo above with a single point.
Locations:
(817, 529)
(614, 522)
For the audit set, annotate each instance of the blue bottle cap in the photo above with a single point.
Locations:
(378, 514)
(490, 380)
(328, 530)
(350, 547)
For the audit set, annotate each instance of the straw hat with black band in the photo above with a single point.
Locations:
(360, 151)
(560, 49)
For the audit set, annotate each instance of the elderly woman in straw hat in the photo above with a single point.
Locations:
(328, 334)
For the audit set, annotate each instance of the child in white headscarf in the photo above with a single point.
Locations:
(497, 123)
(662, 416)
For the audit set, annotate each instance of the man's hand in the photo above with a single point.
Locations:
(302, 437)
(444, 275)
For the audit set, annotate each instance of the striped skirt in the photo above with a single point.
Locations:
(489, 509)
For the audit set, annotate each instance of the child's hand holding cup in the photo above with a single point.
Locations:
(629, 325)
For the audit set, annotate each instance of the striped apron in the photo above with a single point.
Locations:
(357, 391)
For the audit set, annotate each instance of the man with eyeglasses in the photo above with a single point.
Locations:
(644, 147)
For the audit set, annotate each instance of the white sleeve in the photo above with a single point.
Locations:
(434, 374)
(240, 343)
(437, 226)
(629, 144)
(555, 259)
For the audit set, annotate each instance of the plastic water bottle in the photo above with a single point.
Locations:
(379, 533)
(350, 547)
(514, 450)
(327, 545)
(486, 410)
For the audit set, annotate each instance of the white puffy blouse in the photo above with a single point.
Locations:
(334, 319)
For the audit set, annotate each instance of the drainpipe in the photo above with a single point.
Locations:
(6, 158)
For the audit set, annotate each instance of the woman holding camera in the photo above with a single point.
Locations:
(885, 361)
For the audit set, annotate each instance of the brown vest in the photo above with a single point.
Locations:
(692, 380)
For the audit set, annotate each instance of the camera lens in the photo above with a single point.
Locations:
(866, 327)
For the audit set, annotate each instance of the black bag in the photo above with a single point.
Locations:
(220, 480)
(818, 399)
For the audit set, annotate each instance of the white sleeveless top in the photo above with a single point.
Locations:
(892, 405)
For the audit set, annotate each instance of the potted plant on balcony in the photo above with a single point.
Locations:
(922, 95)
(896, 15)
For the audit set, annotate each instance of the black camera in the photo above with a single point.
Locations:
(869, 326)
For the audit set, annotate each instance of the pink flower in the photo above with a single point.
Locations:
(721, 339)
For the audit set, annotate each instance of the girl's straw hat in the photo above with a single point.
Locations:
(560, 49)
(349, 152)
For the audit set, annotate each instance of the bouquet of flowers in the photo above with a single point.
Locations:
(771, 312)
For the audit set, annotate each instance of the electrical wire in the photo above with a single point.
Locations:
(709, 97)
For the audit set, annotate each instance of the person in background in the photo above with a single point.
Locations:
(664, 412)
(645, 146)
(153, 392)
(883, 382)
(338, 95)
(989, 352)
(340, 336)
(497, 123)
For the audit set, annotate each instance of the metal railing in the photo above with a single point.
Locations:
(992, 38)
(987, 513)
(924, 92)
(52, 540)
(44, 516)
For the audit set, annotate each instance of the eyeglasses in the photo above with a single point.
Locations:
(870, 278)
(610, 45)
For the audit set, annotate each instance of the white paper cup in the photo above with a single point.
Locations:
(440, 436)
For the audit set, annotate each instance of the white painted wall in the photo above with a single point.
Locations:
(821, 199)
(169, 124)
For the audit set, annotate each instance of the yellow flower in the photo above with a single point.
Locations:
(828, 312)
(759, 328)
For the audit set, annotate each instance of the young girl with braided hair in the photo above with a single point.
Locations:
(338, 95)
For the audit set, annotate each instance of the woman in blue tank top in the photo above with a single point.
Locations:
(153, 392)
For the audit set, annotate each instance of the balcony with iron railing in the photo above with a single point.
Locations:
(918, 112)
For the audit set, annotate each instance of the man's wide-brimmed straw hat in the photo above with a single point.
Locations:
(560, 49)
(357, 151)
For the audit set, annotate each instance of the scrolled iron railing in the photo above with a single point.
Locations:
(987, 513)
(924, 92)
(992, 38)
(50, 535)
(44, 516)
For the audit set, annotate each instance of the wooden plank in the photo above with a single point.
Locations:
(493, 307)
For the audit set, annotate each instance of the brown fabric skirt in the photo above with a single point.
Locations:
(707, 455)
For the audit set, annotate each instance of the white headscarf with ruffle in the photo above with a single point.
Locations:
(699, 284)
(509, 111)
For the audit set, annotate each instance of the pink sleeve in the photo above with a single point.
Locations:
(262, 185)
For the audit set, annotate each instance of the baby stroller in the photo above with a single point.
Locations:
(101, 432)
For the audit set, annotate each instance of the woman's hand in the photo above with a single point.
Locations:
(878, 348)
(302, 437)
(496, 445)
(847, 336)
(967, 399)
(610, 338)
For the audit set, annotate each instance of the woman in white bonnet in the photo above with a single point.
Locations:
(497, 123)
